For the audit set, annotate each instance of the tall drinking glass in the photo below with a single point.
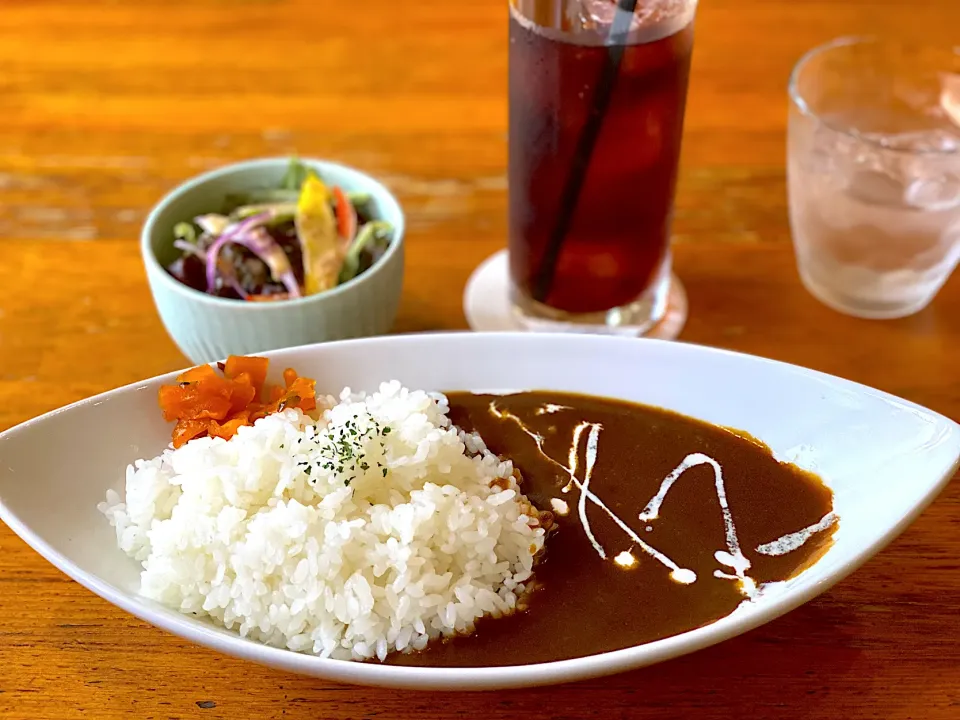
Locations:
(597, 96)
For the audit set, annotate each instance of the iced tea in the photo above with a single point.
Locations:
(616, 250)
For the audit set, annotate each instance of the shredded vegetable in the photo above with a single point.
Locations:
(346, 216)
(251, 234)
(316, 224)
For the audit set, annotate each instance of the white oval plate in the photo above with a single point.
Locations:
(885, 459)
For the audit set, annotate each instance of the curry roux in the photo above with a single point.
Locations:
(683, 573)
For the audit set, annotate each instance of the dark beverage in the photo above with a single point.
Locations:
(616, 248)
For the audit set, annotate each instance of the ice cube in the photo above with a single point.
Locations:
(877, 188)
(935, 140)
(933, 194)
(598, 15)
(827, 152)
(652, 19)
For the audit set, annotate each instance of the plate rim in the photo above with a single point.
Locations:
(496, 677)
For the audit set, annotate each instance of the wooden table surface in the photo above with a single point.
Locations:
(106, 105)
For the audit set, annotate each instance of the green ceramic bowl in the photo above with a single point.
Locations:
(208, 328)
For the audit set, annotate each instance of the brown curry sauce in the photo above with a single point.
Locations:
(583, 604)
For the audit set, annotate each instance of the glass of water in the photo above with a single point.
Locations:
(874, 174)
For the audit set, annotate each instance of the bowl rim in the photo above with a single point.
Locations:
(157, 273)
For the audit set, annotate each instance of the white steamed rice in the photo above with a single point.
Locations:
(265, 534)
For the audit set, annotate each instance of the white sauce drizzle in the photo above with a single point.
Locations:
(551, 408)
(792, 541)
(678, 574)
(585, 486)
(573, 457)
(732, 558)
(559, 506)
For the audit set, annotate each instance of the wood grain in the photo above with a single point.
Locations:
(106, 105)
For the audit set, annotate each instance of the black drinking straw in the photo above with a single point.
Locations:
(616, 45)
